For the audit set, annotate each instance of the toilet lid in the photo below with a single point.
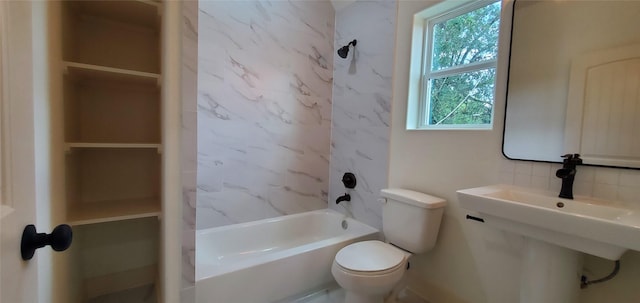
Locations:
(369, 256)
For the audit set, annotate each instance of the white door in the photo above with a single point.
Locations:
(24, 154)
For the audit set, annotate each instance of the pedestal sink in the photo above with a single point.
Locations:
(558, 231)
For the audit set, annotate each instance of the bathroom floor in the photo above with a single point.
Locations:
(335, 294)
(330, 295)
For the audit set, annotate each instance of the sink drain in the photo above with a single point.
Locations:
(560, 205)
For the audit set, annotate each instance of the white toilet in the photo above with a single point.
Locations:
(369, 270)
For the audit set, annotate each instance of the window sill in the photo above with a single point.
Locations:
(454, 127)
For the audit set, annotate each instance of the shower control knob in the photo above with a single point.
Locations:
(349, 180)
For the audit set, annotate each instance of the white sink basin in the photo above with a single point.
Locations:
(587, 225)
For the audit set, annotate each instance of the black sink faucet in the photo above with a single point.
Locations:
(568, 173)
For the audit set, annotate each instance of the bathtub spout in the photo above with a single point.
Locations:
(345, 197)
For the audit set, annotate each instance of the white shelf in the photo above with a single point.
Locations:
(108, 211)
(69, 146)
(109, 73)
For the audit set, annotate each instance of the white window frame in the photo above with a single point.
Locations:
(424, 110)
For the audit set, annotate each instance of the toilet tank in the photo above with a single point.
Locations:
(410, 219)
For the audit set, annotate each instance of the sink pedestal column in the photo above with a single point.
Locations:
(550, 273)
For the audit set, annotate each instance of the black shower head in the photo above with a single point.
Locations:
(344, 51)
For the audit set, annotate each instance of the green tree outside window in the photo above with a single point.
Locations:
(457, 91)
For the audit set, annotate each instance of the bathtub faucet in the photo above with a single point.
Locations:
(345, 197)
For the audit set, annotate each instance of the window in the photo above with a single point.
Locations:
(459, 67)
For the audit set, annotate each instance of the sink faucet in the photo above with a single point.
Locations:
(568, 173)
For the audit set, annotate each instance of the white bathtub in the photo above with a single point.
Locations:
(268, 260)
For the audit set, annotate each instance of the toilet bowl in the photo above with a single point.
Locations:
(369, 270)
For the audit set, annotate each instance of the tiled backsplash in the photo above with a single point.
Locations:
(599, 182)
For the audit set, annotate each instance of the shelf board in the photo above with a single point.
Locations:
(109, 211)
(109, 73)
(69, 146)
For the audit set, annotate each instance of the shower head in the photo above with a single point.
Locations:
(344, 51)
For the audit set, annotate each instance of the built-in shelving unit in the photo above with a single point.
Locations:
(112, 140)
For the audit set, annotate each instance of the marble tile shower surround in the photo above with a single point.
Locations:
(189, 140)
(362, 106)
(265, 70)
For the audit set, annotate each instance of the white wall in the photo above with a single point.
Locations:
(362, 106)
(264, 109)
(472, 262)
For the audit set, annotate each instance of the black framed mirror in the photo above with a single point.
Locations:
(574, 82)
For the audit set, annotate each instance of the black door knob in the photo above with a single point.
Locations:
(59, 239)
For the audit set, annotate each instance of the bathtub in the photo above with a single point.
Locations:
(268, 260)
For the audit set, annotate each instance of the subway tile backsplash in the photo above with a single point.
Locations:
(621, 185)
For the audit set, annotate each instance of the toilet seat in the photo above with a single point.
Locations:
(370, 273)
(371, 258)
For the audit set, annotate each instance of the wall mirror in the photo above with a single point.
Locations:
(574, 82)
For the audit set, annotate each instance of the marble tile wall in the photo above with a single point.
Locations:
(361, 106)
(189, 140)
(264, 109)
